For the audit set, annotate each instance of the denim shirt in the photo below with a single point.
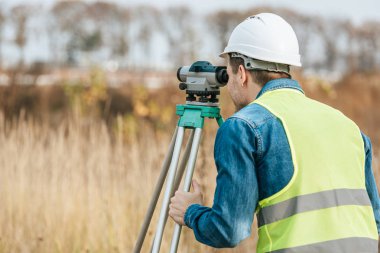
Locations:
(253, 160)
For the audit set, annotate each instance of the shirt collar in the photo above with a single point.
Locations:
(280, 84)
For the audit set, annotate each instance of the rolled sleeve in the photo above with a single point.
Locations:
(230, 218)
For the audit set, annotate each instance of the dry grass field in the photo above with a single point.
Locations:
(77, 189)
(84, 186)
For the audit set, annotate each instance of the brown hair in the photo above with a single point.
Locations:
(261, 77)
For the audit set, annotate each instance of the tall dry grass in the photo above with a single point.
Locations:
(78, 188)
(72, 189)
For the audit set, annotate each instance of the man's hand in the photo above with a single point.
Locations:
(182, 200)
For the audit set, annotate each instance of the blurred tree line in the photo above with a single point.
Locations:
(142, 36)
(76, 34)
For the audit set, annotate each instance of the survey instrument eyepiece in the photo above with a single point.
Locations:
(202, 80)
(222, 76)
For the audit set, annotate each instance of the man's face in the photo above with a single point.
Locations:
(235, 88)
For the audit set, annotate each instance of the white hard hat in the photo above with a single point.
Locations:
(266, 37)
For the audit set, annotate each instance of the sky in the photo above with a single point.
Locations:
(357, 10)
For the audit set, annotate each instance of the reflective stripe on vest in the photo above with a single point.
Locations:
(346, 245)
(310, 202)
(325, 206)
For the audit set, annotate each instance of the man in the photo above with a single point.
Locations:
(302, 166)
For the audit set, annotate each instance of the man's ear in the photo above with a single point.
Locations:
(243, 77)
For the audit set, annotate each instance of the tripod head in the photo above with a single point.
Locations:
(202, 81)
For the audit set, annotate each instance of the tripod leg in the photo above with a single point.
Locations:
(181, 170)
(188, 178)
(168, 190)
(156, 195)
(184, 161)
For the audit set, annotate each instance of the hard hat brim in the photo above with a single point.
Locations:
(260, 54)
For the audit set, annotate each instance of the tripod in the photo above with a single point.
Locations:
(191, 117)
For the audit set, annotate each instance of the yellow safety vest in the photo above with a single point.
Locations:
(325, 206)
